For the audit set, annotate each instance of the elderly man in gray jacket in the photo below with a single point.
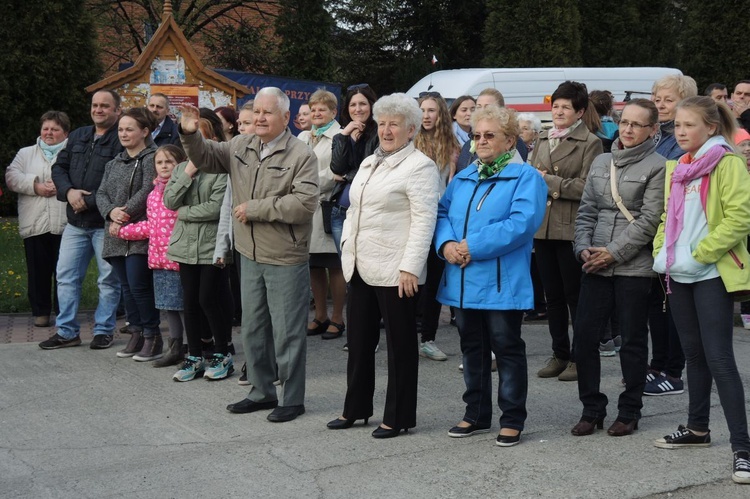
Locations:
(274, 178)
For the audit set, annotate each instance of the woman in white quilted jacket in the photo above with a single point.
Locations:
(384, 246)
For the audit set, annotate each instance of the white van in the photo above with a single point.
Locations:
(532, 85)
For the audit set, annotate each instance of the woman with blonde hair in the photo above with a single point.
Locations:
(436, 140)
(325, 264)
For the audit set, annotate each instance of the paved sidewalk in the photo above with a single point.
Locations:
(82, 423)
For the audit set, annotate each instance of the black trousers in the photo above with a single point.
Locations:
(667, 354)
(629, 296)
(561, 278)
(41, 264)
(207, 305)
(428, 304)
(366, 305)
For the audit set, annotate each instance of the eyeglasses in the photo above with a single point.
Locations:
(487, 135)
(358, 86)
(430, 94)
(634, 125)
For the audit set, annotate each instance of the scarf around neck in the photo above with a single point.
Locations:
(317, 131)
(461, 135)
(381, 155)
(486, 170)
(555, 135)
(50, 151)
(687, 170)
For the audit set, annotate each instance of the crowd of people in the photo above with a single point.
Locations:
(619, 223)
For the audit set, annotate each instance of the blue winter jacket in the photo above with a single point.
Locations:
(498, 218)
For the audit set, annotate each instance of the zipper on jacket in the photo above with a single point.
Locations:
(484, 196)
(252, 196)
(291, 233)
(359, 213)
(736, 259)
(88, 159)
(663, 293)
(466, 229)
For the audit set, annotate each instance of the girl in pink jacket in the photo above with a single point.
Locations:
(157, 228)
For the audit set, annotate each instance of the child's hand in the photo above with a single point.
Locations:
(220, 263)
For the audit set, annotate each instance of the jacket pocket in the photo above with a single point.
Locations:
(484, 197)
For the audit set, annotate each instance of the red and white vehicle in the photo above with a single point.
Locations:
(530, 89)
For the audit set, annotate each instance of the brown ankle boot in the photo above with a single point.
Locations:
(152, 348)
(174, 354)
(135, 345)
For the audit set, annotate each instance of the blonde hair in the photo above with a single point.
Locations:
(439, 144)
(713, 113)
(684, 85)
(323, 96)
(505, 117)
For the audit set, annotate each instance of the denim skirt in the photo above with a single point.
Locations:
(167, 290)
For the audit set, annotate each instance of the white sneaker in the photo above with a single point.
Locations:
(746, 321)
(430, 350)
(191, 368)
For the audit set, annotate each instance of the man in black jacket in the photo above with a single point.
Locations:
(166, 132)
(77, 174)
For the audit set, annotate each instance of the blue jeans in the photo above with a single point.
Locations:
(77, 247)
(630, 297)
(499, 331)
(137, 283)
(704, 314)
(338, 215)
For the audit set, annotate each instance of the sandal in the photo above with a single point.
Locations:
(332, 335)
(319, 329)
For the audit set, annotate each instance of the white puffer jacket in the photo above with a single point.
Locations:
(36, 214)
(391, 220)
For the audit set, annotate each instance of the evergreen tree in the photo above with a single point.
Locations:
(305, 29)
(714, 42)
(47, 58)
(365, 43)
(634, 33)
(533, 33)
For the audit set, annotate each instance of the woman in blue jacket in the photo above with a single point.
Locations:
(485, 229)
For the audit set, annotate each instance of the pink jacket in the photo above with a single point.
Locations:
(157, 228)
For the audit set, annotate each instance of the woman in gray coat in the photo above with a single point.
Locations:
(613, 234)
(128, 179)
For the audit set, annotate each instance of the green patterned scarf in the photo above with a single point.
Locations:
(487, 170)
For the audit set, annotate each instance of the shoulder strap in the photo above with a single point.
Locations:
(616, 193)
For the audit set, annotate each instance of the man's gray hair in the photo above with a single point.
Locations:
(282, 100)
(536, 123)
(399, 105)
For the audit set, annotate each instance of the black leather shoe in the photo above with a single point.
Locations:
(320, 327)
(508, 440)
(283, 414)
(381, 432)
(460, 431)
(247, 406)
(342, 424)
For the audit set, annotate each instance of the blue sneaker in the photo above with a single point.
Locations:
(219, 366)
(192, 367)
(664, 385)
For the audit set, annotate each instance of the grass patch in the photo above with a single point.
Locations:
(13, 276)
